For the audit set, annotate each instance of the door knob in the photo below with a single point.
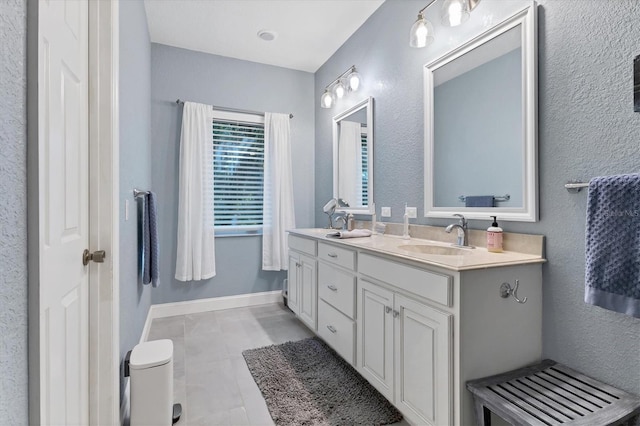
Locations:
(97, 256)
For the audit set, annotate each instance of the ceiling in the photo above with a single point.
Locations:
(308, 31)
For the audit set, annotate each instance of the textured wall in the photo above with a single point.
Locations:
(13, 213)
(586, 128)
(216, 80)
(135, 165)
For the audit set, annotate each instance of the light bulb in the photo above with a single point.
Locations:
(326, 100)
(339, 90)
(455, 12)
(421, 33)
(354, 81)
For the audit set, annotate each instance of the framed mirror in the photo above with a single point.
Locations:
(353, 158)
(481, 125)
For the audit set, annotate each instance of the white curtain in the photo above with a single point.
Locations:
(350, 163)
(195, 259)
(278, 213)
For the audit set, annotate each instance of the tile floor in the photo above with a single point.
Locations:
(211, 378)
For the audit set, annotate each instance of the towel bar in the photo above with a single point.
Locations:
(575, 187)
(138, 192)
(505, 197)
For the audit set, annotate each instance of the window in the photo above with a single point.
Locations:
(238, 171)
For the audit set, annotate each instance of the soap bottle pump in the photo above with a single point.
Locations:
(494, 237)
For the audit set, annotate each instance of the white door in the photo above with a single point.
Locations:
(375, 336)
(308, 291)
(63, 210)
(423, 362)
(293, 287)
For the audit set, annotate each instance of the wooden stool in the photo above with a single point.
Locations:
(550, 394)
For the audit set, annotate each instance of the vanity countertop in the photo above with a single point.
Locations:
(477, 258)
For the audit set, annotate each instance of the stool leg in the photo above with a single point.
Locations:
(483, 415)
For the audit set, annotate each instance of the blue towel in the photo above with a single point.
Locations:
(613, 244)
(478, 201)
(150, 246)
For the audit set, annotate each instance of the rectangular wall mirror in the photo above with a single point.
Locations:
(480, 125)
(353, 158)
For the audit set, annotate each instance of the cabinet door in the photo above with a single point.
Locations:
(308, 291)
(423, 362)
(375, 336)
(294, 285)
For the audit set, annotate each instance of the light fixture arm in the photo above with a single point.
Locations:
(343, 75)
(421, 11)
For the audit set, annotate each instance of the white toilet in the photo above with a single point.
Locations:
(151, 371)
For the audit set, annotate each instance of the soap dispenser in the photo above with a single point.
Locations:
(494, 237)
(405, 230)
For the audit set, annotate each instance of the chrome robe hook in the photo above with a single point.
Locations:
(506, 290)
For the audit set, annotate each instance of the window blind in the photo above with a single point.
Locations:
(365, 170)
(238, 173)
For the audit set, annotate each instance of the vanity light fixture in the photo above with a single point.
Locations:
(348, 81)
(453, 13)
(456, 12)
(421, 34)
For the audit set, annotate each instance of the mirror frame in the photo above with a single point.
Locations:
(526, 18)
(366, 103)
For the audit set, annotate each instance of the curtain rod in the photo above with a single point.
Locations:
(180, 102)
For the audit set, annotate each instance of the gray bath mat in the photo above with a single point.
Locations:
(307, 383)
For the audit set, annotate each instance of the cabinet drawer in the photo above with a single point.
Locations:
(338, 255)
(304, 245)
(337, 288)
(337, 330)
(423, 283)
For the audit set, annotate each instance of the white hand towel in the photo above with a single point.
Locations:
(356, 233)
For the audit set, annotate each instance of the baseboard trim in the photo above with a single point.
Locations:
(212, 304)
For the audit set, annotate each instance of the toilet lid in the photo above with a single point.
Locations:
(151, 354)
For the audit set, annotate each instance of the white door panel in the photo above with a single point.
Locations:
(375, 336)
(423, 364)
(63, 205)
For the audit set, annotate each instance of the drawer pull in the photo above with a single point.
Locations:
(332, 287)
(387, 309)
(333, 255)
(332, 329)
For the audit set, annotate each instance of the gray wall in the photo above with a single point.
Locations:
(587, 128)
(216, 80)
(13, 212)
(135, 165)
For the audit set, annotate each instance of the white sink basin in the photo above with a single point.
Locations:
(433, 249)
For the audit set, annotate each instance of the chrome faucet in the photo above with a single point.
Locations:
(340, 221)
(462, 231)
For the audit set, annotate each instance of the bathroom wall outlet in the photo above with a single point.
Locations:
(412, 212)
(385, 212)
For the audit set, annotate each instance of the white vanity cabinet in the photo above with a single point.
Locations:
(302, 297)
(336, 304)
(418, 329)
(404, 345)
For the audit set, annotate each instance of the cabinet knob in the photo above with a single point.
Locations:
(387, 309)
(332, 287)
(332, 329)
(298, 264)
(395, 314)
